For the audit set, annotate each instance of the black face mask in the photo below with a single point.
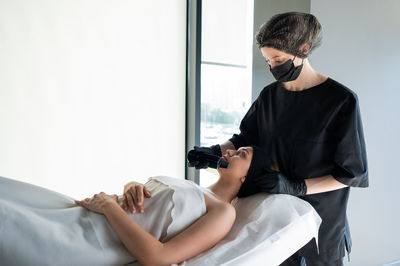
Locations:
(286, 71)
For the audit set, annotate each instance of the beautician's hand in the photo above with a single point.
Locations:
(198, 164)
(276, 182)
(99, 202)
(134, 193)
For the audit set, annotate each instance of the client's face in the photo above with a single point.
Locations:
(239, 161)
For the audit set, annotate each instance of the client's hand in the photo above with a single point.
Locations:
(99, 202)
(133, 195)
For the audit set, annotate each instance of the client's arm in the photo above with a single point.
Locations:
(203, 234)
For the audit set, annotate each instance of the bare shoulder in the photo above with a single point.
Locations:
(203, 234)
(214, 203)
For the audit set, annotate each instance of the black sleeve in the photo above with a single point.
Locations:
(248, 127)
(351, 166)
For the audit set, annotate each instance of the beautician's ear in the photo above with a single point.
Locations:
(242, 179)
(305, 48)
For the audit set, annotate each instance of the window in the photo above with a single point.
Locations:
(226, 66)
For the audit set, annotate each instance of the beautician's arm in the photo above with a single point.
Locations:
(318, 184)
(314, 185)
(322, 184)
(203, 234)
(275, 182)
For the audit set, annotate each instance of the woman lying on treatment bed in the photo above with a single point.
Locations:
(182, 219)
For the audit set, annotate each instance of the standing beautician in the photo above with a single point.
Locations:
(311, 126)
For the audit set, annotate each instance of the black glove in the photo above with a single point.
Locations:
(277, 183)
(199, 164)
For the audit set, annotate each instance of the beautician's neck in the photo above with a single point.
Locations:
(307, 79)
(225, 190)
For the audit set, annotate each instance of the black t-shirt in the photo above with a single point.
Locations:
(312, 133)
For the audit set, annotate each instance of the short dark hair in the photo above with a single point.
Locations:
(288, 31)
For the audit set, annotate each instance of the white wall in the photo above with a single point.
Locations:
(361, 49)
(92, 93)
